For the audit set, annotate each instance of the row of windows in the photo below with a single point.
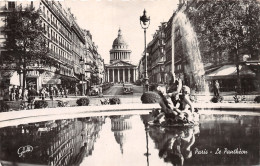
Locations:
(55, 22)
(55, 37)
(61, 45)
(77, 45)
(60, 53)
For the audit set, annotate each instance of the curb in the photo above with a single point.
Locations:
(228, 106)
(63, 112)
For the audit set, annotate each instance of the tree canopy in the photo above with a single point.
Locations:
(25, 41)
(228, 25)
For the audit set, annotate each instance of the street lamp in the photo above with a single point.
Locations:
(82, 63)
(147, 154)
(88, 81)
(145, 22)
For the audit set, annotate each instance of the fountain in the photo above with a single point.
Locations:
(193, 68)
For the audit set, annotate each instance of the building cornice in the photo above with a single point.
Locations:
(78, 31)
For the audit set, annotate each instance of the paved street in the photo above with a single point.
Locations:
(117, 89)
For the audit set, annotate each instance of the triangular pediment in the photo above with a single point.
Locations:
(120, 63)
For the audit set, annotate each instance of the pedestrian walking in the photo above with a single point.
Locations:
(31, 96)
(216, 88)
(66, 91)
(76, 91)
(62, 92)
(20, 91)
(43, 93)
(52, 91)
(13, 93)
(25, 94)
(56, 91)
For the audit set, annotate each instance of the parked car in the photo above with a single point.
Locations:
(94, 91)
(128, 88)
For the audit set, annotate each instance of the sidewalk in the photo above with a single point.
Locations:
(203, 101)
(94, 100)
(228, 97)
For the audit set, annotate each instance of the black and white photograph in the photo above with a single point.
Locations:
(129, 82)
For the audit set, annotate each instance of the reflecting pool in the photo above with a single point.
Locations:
(123, 140)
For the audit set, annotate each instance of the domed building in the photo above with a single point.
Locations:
(120, 68)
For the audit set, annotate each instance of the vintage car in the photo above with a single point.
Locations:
(128, 88)
(94, 91)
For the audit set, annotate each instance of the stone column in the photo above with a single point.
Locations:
(128, 75)
(124, 74)
(118, 75)
(134, 75)
(113, 75)
(107, 75)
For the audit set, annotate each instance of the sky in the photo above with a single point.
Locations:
(103, 18)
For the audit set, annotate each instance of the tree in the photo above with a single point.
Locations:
(229, 26)
(25, 42)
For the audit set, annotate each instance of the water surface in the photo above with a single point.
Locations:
(127, 140)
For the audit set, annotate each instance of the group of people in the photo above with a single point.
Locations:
(53, 92)
(16, 93)
(29, 94)
(176, 105)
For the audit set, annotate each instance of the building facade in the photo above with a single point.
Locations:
(120, 68)
(94, 62)
(69, 47)
(156, 58)
(53, 143)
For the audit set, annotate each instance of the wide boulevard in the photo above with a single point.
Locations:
(117, 89)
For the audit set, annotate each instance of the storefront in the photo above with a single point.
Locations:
(227, 77)
(70, 83)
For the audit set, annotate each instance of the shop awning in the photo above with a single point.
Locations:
(51, 81)
(68, 78)
(230, 71)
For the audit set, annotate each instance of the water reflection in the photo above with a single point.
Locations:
(174, 143)
(218, 140)
(119, 125)
(59, 143)
(225, 138)
(127, 139)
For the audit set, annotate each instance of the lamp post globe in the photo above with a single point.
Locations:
(145, 22)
